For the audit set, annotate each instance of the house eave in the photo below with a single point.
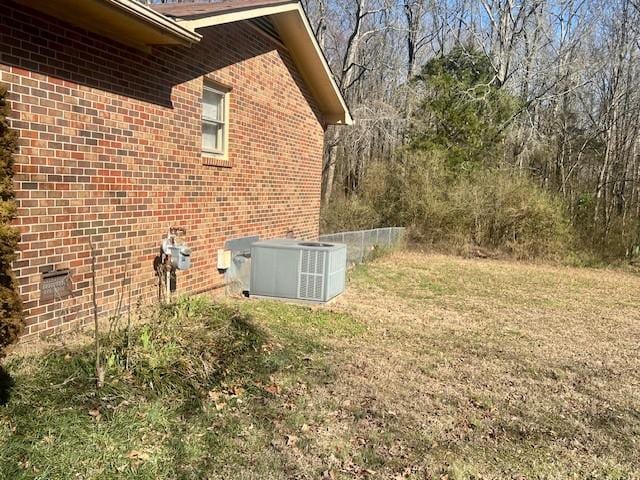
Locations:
(179, 32)
(126, 21)
(293, 27)
(132, 23)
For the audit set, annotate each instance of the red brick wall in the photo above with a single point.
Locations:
(111, 149)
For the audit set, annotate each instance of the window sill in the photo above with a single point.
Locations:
(213, 160)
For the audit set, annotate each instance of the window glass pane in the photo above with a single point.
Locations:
(211, 137)
(212, 106)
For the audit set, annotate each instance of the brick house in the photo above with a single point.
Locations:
(209, 117)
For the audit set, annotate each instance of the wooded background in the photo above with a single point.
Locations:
(570, 65)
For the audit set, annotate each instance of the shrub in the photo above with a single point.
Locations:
(11, 320)
(493, 209)
(344, 214)
(512, 214)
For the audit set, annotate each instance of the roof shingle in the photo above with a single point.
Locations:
(194, 10)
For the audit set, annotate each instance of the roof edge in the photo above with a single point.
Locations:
(336, 116)
(348, 119)
(203, 20)
(168, 9)
(149, 15)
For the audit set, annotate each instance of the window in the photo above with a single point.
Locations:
(214, 121)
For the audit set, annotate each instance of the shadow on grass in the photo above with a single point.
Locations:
(6, 384)
(195, 383)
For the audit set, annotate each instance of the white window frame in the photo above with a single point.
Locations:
(223, 124)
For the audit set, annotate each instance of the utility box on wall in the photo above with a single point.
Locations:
(298, 270)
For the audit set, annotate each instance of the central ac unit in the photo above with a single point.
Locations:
(299, 270)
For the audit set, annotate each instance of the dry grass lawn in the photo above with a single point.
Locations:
(429, 367)
(485, 369)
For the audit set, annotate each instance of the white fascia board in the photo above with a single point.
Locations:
(347, 120)
(230, 17)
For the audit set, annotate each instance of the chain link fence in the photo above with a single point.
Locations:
(362, 243)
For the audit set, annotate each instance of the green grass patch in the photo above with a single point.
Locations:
(205, 386)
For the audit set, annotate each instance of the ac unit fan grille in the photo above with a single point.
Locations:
(311, 284)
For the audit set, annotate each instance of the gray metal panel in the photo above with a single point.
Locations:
(312, 274)
(240, 271)
(241, 244)
(237, 276)
(336, 273)
(298, 270)
(274, 271)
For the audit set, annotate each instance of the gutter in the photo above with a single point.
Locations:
(158, 20)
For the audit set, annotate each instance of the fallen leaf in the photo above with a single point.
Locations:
(291, 440)
(273, 389)
(237, 391)
(95, 414)
(138, 455)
